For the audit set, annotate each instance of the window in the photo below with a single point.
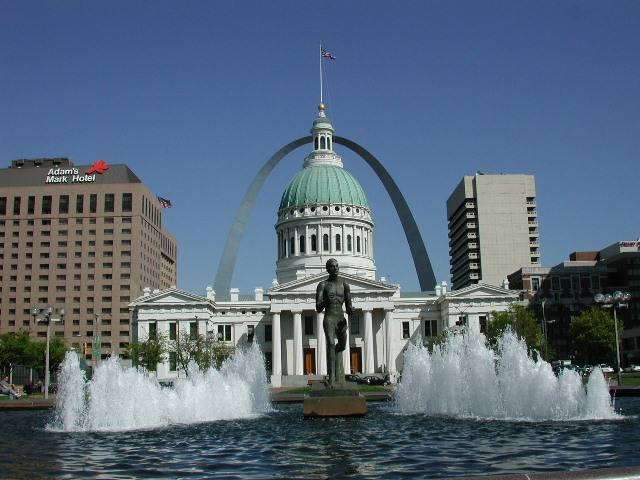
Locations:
(63, 204)
(314, 243)
(535, 283)
(93, 202)
(224, 333)
(595, 283)
(308, 325)
(358, 244)
(250, 333)
(109, 202)
(79, 203)
(292, 246)
(482, 319)
(302, 244)
(325, 242)
(173, 330)
(555, 283)
(193, 330)
(354, 325)
(173, 364)
(46, 204)
(3, 205)
(405, 330)
(349, 246)
(31, 205)
(16, 205)
(268, 333)
(127, 201)
(338, 243)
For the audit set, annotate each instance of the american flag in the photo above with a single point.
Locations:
(328, 55)
(165, 202)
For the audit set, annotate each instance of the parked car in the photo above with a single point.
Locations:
(605, 368)
(350, 377)
(374, 380)
(632, 369)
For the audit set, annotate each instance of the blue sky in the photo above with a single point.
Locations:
(195, 97)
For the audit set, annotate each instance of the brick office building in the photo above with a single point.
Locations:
(86, 238)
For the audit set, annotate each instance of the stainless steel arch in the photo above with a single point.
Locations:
(426, 278)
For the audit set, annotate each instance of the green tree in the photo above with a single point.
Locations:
(522, 322)
(14, 349)
(204, 351)
(149, 353)
(594, 337)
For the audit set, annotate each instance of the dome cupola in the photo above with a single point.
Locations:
(324, 213)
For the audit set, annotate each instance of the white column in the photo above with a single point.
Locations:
(322, 345)
(346, 356)
(368, 342)
(297, 343)
(276, 351)
(388, 319)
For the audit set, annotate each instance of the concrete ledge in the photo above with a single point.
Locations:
(334, 406)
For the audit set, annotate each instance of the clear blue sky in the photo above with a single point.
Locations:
(195, 97)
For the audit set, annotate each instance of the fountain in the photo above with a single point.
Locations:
(459, 411)
(120, 398)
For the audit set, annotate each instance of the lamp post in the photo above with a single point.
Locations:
(616, 300)
(46, 318)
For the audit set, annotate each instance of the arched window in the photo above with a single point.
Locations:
(316, 143)
(302, 244)
(323, 143)
(292, 245)
(349, 243)
(328, 143)
(314, 243)
(338, 243)
(284, 247)
(358, 243)
(325, 242)
(366, 246)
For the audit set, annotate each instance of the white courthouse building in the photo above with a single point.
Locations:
(323, 214)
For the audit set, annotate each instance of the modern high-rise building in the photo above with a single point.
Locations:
(84, 238)
(493, 228)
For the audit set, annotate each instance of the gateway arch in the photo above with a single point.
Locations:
(426, 278)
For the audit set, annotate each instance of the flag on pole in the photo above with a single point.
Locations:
(326, 54)
(165, 202)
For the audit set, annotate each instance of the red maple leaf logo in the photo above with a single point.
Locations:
(100, 167)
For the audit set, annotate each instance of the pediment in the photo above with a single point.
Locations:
(170, 296)
(481, 290)
(308, 285)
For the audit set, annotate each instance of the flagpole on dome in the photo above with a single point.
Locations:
(320, 56)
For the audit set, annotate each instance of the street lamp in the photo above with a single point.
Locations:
(46, 318)
(616, 300)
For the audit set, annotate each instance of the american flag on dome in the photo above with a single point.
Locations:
(327, 54)
(165, 202)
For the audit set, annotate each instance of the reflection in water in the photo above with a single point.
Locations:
(282, 443)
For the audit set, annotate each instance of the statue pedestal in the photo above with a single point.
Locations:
(341, 401)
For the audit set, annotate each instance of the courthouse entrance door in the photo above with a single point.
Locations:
(309, 361)
(356, 360)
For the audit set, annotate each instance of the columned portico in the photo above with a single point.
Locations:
(322, 344)
(297, 343)
(388, 319)
(276, 352)
(369, 364)
(346, 355)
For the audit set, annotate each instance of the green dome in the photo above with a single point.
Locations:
(323, 184)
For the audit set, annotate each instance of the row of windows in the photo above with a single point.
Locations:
(64, 204)
(302, 245)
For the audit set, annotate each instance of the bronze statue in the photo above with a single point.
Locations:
(330, 295)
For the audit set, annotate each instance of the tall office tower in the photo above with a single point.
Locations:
(493, 228)
(85, 238)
